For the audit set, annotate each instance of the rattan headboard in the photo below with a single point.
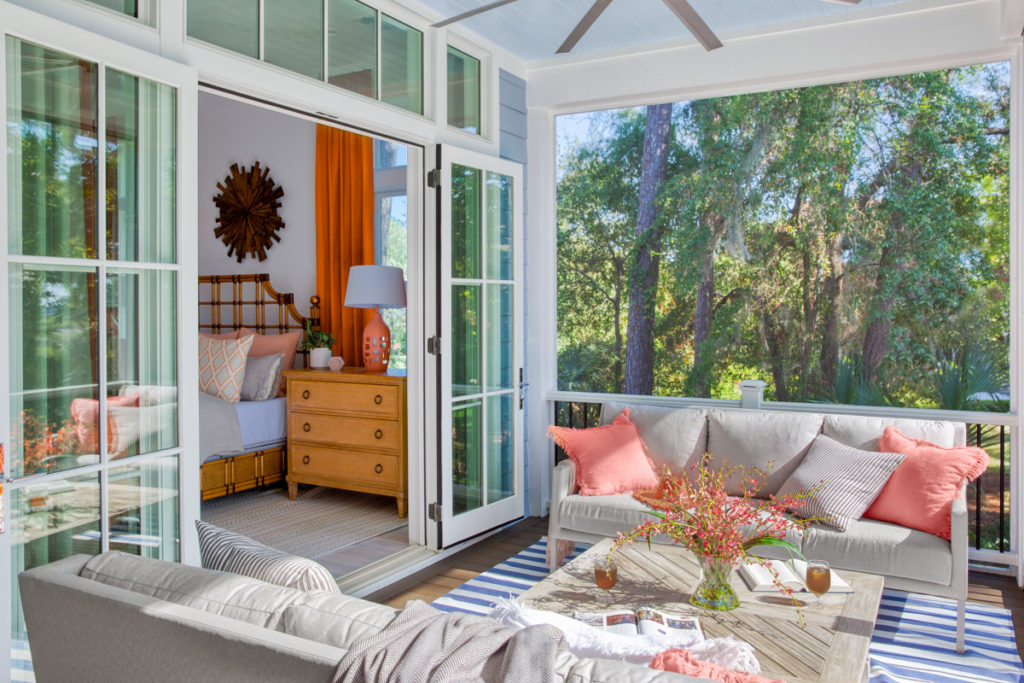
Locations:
(229, 302)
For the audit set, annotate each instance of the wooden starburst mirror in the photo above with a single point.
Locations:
(248, 202)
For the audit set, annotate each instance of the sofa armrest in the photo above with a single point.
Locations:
(958, 542)
(563, 481)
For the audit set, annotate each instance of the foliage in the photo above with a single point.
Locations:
(316, 339)
(967, 379)
(42, 443)
(802, 231)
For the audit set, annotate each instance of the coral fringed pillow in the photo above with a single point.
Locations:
(609, 459)
(920, 492)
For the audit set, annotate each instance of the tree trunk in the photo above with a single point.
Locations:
(876, 337)
(775, 337)
(643, 285)
(702, 320)
(617, 304)
(828, 307)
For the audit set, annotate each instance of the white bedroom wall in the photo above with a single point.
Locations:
(231, 132)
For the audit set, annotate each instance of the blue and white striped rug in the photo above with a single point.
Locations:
(914, 638)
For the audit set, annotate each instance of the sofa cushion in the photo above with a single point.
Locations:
(921, 491)
(229, 595)
(609, 459)
(881, 548)
(761, 440)
(864, 432)
(230, 552)
(845, 481)
(335, 618)
(673, 436)
(608, 515)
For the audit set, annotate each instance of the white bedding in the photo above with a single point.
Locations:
(227, 429)
(262, 422)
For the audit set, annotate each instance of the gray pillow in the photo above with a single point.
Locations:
(227, 551)
(262, 377)
(850, 481)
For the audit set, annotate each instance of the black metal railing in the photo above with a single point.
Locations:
(988, 497)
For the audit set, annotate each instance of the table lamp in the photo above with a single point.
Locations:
(373, 287)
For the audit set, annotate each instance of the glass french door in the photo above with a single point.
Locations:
(479, 255)
(92, 285)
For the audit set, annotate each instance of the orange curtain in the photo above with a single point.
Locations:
(344, 232)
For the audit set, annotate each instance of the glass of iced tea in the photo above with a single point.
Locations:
(818, 578)
(606, 575)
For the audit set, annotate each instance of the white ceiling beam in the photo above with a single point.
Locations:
(1013, 19)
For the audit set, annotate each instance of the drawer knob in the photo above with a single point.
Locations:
(305, 394)
(378, 399)
(305, 460)
(378, 434)
(379, 468)
(306, 427)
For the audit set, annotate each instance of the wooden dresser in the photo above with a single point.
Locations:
(347, 430)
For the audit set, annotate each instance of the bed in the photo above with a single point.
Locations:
(255, 455)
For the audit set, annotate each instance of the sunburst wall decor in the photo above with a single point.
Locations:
(248, 204)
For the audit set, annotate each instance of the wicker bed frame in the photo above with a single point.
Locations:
(230, 302)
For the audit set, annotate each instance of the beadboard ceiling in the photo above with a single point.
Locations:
(533, 29)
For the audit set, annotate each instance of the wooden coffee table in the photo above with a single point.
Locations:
(831, 645)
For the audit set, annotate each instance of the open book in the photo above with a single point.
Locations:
(791, 574)
(644, 621)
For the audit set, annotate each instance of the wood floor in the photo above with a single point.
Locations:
(437, 580)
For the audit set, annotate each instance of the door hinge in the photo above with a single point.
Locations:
(434, 345)
(434, 512)
(434, 177)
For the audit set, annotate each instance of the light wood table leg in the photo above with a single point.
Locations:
(401, 506)
(293, 490)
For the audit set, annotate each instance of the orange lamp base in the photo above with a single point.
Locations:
(376, 344)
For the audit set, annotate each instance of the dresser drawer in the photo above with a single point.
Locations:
(367, 399)
(345, 431)
(334, 462)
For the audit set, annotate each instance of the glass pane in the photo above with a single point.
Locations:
(467, 457)
(54, 374)
(393, 236)
(466, 360)
(143, 508)
(231, 24)
(51, 152)
(140, 207)
(463, 91)
(142, 358)
(50, 521)
(129, 7)
(401, 65)
(500, 447)
(389, 154)
(466, 199)
(352, 46)
(499, 227)
(293, 35)
(500, 331)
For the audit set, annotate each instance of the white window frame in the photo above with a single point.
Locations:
(489, 103)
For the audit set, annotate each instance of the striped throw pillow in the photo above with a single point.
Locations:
(222, 366)
(849, 480)
(227, 551)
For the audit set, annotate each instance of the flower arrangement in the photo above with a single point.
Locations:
(698, 513)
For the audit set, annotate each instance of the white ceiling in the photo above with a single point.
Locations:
(533, 29)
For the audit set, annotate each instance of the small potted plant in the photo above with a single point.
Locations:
(319, 344)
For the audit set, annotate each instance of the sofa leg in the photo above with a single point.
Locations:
(961, 607)
(552, 554)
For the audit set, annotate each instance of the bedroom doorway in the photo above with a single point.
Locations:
(343, 527)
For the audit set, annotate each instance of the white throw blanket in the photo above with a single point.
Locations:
(584, 640)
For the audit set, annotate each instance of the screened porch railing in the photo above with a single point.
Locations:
(988, 498)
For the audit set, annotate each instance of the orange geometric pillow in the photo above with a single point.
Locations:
(222, 366)
(921, 490)
(609, 459)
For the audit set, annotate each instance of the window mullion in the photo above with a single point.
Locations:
(101, 303)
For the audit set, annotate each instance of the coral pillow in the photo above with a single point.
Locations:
(269, 344)
(233, 334)
(86, 414)
(222, 366)
(920, 492)
(683, 662)
(609, 459)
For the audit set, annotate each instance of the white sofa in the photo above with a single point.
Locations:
(909, 560)
(117, 618)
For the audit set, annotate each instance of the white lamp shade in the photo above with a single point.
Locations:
(371, 286)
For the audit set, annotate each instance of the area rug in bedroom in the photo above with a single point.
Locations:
(319, 520)
(913, 639)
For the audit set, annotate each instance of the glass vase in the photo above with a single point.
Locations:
(714, 590)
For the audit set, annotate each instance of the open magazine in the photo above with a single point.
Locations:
(791, 574)
(644, 621)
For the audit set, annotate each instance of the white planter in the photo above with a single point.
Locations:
(319, 358)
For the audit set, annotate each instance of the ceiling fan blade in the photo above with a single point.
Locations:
(585, 23)
(473, 12)
(701, 31)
